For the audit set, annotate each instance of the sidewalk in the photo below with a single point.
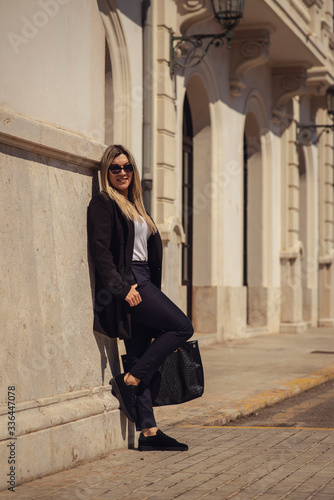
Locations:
(244, 375)
(240, 377)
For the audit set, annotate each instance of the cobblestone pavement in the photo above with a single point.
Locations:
(246, 374)
(222, 463)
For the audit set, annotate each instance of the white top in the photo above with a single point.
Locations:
(142, 234)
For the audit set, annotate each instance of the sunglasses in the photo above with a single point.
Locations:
(116, 169)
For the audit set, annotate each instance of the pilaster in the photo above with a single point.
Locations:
(165, 116)
(292, 251)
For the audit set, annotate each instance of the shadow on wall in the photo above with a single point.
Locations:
(108, 347)
(109, 352)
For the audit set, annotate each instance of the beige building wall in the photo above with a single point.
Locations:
(52, 134)
(81, 73)
(263, 87)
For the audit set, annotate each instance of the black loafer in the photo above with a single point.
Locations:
(126, 395)
(160, 442)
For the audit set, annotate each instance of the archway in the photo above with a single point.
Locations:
(203, 194)
(117, 83)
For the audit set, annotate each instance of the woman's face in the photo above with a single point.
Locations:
(121, 181)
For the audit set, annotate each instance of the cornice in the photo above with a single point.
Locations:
(318, 80)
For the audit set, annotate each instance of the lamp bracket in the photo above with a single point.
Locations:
(189, 51)
(304, 133)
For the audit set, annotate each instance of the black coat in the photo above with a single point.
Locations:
(111, 239)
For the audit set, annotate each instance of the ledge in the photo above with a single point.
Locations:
(64, 436)
(292, 252)
(328, 258)
(45, 413)
(41, 138)
(172, 226)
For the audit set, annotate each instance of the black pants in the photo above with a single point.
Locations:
(158, 318)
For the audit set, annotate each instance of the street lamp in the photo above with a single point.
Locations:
(228, 12)
(303, 131)
(188, 51)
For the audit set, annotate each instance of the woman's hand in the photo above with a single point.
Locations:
(133, 297)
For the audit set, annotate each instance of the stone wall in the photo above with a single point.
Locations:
(51, 139)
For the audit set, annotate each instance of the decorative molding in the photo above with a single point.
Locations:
(43, 413)
(193, 5)
(310, 3)
(331, 41)
(318, 80)
(293, 252)
(192, 12)
(327, 259)
(41, 138)
(250, 49)
(60, 430)
(326, 322)
(326, 28)
(288, 82)
(301, 10)
(169, 228)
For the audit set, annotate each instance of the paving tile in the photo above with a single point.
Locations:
(271, 461)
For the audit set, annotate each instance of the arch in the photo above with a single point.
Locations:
(121, 90)
(202, 151)
(205, 73)
(254, 103)
(206, 80)
(204, 192)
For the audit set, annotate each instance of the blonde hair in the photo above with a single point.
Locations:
(134, 206)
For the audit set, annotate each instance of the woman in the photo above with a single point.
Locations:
(127, 251)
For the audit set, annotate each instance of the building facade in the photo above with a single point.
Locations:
(243, 196)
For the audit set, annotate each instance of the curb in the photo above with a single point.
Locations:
(247, 406)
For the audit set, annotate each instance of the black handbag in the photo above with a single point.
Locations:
(180, 378)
